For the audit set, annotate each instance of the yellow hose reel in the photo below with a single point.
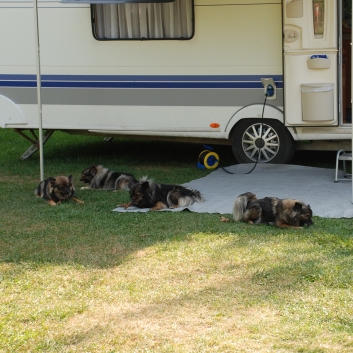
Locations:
(208, 160)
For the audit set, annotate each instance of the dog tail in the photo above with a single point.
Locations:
(189, 196)
(197, 196)
(145, 178)
(240, 205)
(37, 192)
(124, 182)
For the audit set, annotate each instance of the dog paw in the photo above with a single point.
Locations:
(224, 219)
(125, 205)
(77, 200)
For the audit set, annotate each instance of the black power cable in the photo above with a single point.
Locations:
(262, 133)
(269, 92)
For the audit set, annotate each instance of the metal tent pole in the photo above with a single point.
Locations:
(39, 86)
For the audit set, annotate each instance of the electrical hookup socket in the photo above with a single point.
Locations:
(269, 87)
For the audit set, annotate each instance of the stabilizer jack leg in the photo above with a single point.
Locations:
(34, 140)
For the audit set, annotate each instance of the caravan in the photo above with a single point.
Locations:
(267, 77)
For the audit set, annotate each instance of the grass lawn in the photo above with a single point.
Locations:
(80, 278)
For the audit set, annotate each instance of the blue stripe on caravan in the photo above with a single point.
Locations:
(18, 84)
(139, 81)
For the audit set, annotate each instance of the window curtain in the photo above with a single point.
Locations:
(138, 21)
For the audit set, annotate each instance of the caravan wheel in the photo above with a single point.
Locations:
(268, 138)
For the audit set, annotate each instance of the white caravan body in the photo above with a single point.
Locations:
(207, 86)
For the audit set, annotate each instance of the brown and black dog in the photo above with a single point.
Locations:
(55, 190)
(99, 178)
(284, 213)
(147, 194)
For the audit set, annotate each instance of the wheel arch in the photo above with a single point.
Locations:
(254, 111)
(10, 113)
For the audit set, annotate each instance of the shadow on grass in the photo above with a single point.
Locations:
(129, 151)
(320, 159)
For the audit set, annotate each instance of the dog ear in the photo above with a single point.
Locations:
(52, 181)
(145, 185)
(298, 206)
(93, 169)
(70, 178)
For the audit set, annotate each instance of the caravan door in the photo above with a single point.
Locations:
(311, 58)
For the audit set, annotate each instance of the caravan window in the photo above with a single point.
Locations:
(174, 20)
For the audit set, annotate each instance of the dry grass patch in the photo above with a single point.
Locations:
(170, 326)
(208, 293)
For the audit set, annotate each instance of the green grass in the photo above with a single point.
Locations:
(80, 278)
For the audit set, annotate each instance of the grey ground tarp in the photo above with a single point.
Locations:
(314, 186)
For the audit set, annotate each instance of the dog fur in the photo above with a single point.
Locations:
(147, 194)
(284, 213)
(100, 178)
(55, 190)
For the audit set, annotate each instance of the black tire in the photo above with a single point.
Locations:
(275, 142)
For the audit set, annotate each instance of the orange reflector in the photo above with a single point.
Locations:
(214, 125)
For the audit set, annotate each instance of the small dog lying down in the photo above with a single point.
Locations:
(147, 194)
(285, 213)
(57, 189)
(100, 178)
